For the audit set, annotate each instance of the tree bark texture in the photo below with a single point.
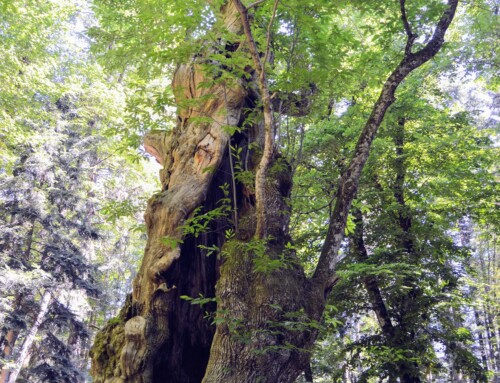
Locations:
(159, 337)
(10, 340)
(324, 275)
(266, 311)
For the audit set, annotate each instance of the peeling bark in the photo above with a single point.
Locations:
(159, 336)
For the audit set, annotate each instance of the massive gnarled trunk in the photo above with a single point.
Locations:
(266, 311)
(160, 337)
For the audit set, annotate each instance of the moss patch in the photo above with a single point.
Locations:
(105, 352)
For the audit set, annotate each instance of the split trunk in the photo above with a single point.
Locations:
(263, 322)
(160, 337)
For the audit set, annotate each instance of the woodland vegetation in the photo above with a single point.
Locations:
(326, 209)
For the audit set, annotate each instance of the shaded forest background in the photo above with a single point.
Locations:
(80, 84)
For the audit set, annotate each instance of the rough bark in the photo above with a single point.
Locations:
(10, 340)
(260, 313)
(265, 315)
(158, 336)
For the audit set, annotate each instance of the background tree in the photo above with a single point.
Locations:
(62, 202)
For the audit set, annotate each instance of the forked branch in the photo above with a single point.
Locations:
(324, 275)
(409, 34)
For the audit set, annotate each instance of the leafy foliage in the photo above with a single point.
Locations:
(61, 181)
(68, 213)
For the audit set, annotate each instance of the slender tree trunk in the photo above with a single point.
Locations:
(324, 275)
(491, 338)
(493, 300)
(408, 371)
(30, 336)
(9, 341)
(480, 336)
(12, 334)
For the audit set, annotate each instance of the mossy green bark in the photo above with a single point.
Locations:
(106, 351)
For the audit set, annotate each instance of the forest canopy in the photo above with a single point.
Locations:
(249, 191)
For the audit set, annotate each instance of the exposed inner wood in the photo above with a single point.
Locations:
(157, 327)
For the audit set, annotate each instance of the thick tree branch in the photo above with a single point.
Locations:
(370, 282)
(437, 39)
(348, 186)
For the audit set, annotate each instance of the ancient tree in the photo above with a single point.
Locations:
(265, 311)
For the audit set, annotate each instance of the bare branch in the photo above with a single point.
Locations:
(268, 45)
(248, 33)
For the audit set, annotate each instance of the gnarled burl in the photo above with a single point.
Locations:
(266, 315)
